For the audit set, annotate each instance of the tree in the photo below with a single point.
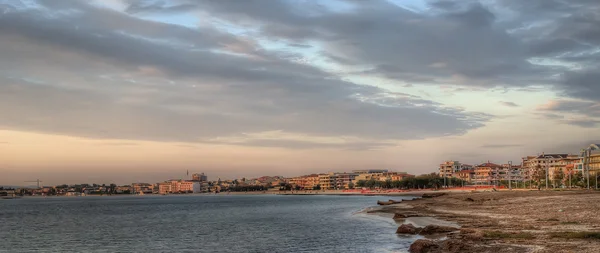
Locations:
(361, 183)
(539, 174)
(350, 185)
(558, 177)
(317, 187)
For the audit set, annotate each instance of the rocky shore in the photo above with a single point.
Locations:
(504, 221)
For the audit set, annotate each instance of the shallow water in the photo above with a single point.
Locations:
(257, 223)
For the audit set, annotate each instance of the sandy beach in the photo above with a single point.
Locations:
(507, 221)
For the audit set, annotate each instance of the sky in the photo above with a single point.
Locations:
(144, 90)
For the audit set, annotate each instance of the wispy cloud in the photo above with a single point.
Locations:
(499, 146)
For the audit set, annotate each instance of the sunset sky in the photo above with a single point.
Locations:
(142, 90)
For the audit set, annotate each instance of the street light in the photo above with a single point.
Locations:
(509, 172)
(547, 170)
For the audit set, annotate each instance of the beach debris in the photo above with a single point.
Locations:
(469, 199)
(407, 229)
(423, 246)
(560, 211)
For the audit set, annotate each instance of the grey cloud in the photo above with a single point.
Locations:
(582, 84)
(204, 94)
(509, 104)
(587, 108)
(409, 41)
(585, 123)
(468, 37)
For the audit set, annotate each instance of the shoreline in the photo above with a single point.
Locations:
(282, 193)
(506, 221)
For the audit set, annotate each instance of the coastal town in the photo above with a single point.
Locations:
(533, 171)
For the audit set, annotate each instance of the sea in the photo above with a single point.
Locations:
(197, 223)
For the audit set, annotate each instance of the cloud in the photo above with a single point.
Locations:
(77, 69)
(494, 146)
(509, 104)
(579, 113)
(581, 107)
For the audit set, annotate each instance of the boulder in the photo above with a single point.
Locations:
(471, 234)
(423, 246)
(432, 195)
(407, 229)
(455, 246)
(401, 216)
(434, 229)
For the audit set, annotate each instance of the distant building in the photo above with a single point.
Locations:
(189, 187)
(165, 188)
(142, 188)
(307, 182)
(368, 171)
(487, 173)
(466, 175)
(199, 177)
(448, 168)
(179, 186)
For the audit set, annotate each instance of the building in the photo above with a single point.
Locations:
(199, 177)
(487, 174)
(307, 182)
(343, 180)
(546, 162)
(368, 171)
(466, 175)
(165, 188)
(189, 187)
(142, 188)
(327, 181)
(448, 168)
(399, 176)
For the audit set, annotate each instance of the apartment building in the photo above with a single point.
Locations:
(179, 186)
(307, 182)
(466, 175)
(336, 180)
(448, 168)
(142, 188)
(199, 177)
(487, 173)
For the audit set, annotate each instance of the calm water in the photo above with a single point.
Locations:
(261, 223)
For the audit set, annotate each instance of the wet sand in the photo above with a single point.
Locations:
(509, 221)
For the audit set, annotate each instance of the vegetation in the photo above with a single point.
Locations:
(569, 223)
(247, 188)
(420, 182)
(557, 177)
(576, 235)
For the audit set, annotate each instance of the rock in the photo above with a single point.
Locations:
(423, 246)
(471, 234)
(432, 195)
(389, 202)
(469, 199)
(407, 229)
(434, 229)
(454, 246)
(401, 216)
